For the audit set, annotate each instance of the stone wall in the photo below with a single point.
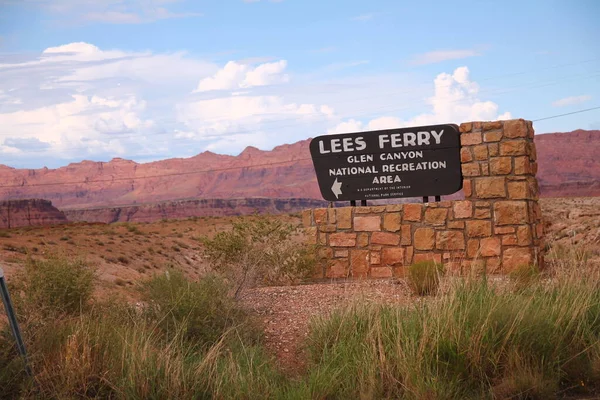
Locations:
(498, 226)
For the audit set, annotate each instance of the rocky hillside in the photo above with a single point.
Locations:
(191, 208)
(32, 212)
(568, 166)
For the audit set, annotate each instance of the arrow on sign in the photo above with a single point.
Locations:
(336, 188)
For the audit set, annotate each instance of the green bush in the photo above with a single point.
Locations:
(424, 277)
(57, 285)
(260, 251)
(199, 311)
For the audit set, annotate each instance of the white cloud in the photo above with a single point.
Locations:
(572, 100)
(455, 100)
(437, 56)
(235, 75)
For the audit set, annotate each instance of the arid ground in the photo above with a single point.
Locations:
(124, 254)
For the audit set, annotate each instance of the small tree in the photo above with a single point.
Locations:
(259, 251)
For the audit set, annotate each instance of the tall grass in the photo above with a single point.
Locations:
(477, 342)
(191, 340)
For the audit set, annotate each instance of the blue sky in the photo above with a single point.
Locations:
(152, 79)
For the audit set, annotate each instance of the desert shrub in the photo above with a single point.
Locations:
(424, 277)
(57, 285)
(259, 251)
(5, 234)
(199, 311)
(123, 260)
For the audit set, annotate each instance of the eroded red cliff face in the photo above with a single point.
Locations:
(568, 166)
(192, 208)
(31, 212)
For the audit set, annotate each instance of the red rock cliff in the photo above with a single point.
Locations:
(31, 212)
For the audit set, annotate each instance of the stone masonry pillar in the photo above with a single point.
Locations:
(499, 166)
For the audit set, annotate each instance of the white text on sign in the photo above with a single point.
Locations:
(393, 140)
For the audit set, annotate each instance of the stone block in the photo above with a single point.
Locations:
(494, 136)
(490, 247)
(436, 216)
(456, 224)
(472, 248)
(362, 239)
(344, 217)
(311, 235)
(320, 215)
(469, 139)
(307, 218)
(523, 235)
(369, 210)
(471, 169)
(381, 272)
(406, 238)
(479, 228)
(468, 188)
(392, 221)
(501, 165)
(340, 253)
(466, 155)
(392, 256)
(424, 239)
(517, 147)
(412, 212)
(359, 263)
(493, 265)
(385, 238)
(482, 204)
(539, 230)
(466, 127)
(367, 224)
(501, 230)
(510, 212)
(515, 128)
(522, 166)
(408, 255)
(518, 190)
(490, 187)
(480, 152)
(342, 239)
(493, 149)
(485, 168)
(514, 257)
(337, 269)
(509, 239)
(392, 208)
(400, 272)
(463, 209)
(322, 238)
(491, 125)
(327, 228)
(327, 253)
(450, 240)
(483, 213)
(420, 257)
(376, 257)
(331, 215)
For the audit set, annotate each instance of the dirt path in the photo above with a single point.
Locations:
(287, 311)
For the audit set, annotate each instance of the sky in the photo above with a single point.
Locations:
(152, 79)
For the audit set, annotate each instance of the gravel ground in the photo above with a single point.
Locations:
(286, 310)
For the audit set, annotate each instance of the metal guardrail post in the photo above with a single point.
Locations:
(12, 320)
